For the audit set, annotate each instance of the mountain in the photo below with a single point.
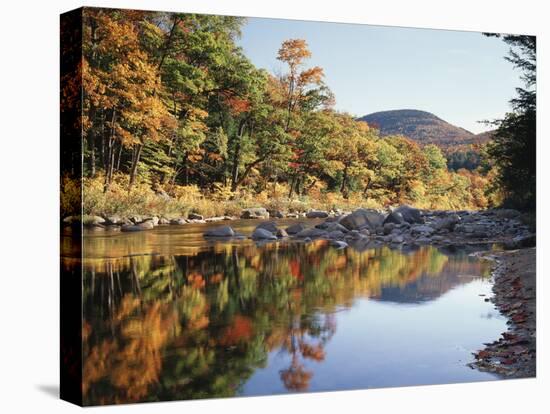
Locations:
(423, 127)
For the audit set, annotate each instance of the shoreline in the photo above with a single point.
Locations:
(513, 355)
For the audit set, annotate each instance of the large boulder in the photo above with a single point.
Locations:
(270, 226)
(223, 231)
(147, 225)
(410, 214)
(295, 228)
(447, 223)
(114, 220)
(276, 214)
(316, 214)
(263, 234)
(164, 220)
(335, 227)
(255, 213)
(363, 218)
(92, 220)
(311, 233)
(394, 218)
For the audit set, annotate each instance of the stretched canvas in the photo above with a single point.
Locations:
(256, 206)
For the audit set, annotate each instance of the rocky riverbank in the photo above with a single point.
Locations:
(514, 354)
(401, 226)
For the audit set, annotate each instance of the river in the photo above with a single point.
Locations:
(168, 315)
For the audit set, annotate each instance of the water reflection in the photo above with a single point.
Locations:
(160, 327)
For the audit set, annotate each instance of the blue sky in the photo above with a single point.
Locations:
(461, 77)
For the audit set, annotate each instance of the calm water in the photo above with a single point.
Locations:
(170, 316)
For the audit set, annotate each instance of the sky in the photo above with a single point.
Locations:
(461, 77)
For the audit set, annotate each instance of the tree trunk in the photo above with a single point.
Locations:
(248, 169)
(186, 169)
(237, 157)
(91, 144)
(119, 157)
(291, 190)
(309, 187)
(344, 180)
(109, 161)
(134, 166)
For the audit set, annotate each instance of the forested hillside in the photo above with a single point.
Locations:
(424, 128)
(177, 119)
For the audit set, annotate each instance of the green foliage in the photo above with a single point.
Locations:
(513, 150)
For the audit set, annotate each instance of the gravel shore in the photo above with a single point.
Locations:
(514, 354)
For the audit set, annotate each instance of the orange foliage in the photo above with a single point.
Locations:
(240, 330)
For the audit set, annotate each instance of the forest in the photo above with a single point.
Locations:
(176, 119)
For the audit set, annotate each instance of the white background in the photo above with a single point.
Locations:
(29, 159)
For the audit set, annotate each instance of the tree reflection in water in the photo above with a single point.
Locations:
(194, 326)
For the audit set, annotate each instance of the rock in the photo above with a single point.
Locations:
(338, 244)
(397, 239)
(276, 214)
(114, 220)
(71, 220)
(270, 226)
(331, 226)
(423, 240)
(113, 228)
(223, 231)
(410, 214)
(394, 218)
(311, 233)
(355, 235)
(336, 235)
(316, 214)
(194, 216)
(292, 215)
(164, 220)
(155, 220)
(422, 229)
(211, 219)
(389, 227)
(178, 221)
(255, 213)
(507, 213)
(295, 228)
(362, 218)
(281, 233)
(263, 234)
(136, 219)
(447, 223)
(92, 220)
(146, 225)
